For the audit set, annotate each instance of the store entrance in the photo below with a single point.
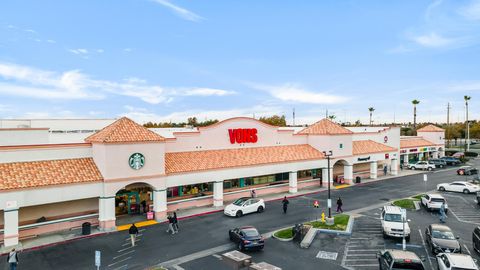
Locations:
(134, 203)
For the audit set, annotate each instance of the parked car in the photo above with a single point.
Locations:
(459, 186)
(434, 201)
(476, 239)
(246, 237)
(451, 161)
(244, 206)
(478, 197)
(467, 170)
(458, 155)
(448, 261)
(441, 239)
(421, 165)
(399, 259)
(439, 163)
(392, 223)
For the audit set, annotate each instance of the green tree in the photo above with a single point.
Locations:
(370, 110)
(192, 121)
(274, 120)
(415, 103)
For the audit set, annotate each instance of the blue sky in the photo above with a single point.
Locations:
(162, 60)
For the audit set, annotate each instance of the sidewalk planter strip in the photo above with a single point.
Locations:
(405, 203)
(284, 234)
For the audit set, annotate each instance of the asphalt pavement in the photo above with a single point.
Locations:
(202, 238)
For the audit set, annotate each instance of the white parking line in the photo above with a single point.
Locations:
(122, 250)
(128, 258)
(126, 253)
(121, 267)
(426, 250)
(467, 249)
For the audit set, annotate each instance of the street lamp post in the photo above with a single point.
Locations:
(329, 202)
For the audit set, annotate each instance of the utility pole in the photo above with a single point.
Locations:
(293, 116)
(448, 124)
(326, 113)
(467, 98)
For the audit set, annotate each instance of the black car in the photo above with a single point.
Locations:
(467, 170)
(399, 259)
(247, 238)
(451, 160)
(439, 163)
(478, 197)
(441, 239)
(476, 239)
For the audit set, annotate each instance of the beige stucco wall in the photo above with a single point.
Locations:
(435, 137)
(49, 153)
(332, 143)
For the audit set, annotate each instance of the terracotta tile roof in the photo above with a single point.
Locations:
(124, 130)
(414, 142)
(49, 172)
(325, 127)
(369, 146)
(219, 159)
(430, 128)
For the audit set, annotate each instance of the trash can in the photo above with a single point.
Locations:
(357, 180)
(86, 228)
(297, 232)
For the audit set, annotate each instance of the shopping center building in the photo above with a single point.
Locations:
(127, 169)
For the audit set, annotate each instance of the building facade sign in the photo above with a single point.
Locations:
(364, 159)
(243, 135)
(136, 161)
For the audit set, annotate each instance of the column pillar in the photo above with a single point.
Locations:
(373, 170)
(348, 173)
(420, 156)
(106, 213)
(325, 175)
(218, 194)
(394, 167)
(10, 215)
(292, 182)
(160, 204)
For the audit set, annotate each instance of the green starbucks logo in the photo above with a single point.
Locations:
(136, 161)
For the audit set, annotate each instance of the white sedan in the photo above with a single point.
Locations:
(459, 186)
(448, 261)
(244, 206)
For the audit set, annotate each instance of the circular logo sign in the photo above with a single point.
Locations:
(136, 161)
(385, 139)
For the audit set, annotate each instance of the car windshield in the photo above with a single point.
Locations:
(393, 217)
(239, 202)
(404, 265)
(250, 232)
(443, 235)
(437, 200)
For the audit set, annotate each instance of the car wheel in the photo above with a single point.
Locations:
(412, 168)
(239, 214)
(466, 191)
(260, 209)
(240, 246)
(441, 188)
(384, 235)
(433, 250)
(429, 209)
(446, 211)
(407, 238)
(430, 168)
(461, 172)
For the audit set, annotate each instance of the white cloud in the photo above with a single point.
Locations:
(465, 86)
(295, 93)
(471, 11)
(207, 92)
(100, 50)
(51, 41)
(30, 82)
(182, 12)
(79, 51)
(127, 50)
(30, 31)
(432, 40)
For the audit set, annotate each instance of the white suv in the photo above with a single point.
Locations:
(392, 222)
(449, 261)
(421, 165)
(434, 201)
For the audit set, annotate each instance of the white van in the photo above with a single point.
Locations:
(392, 222)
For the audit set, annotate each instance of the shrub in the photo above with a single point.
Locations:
(285, 233)
(464, 159)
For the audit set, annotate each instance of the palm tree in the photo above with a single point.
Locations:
(467, 141)
(371, 109)
(415, 102)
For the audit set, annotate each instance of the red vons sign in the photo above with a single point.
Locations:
(243, 135)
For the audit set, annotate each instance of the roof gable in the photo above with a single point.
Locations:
(370, 147)
(414, 142)
(124, 130)
(325, 127)
(431, 128)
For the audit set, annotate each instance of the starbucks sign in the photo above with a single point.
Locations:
(136, 161)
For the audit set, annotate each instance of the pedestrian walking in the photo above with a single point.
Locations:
(12, 259)
(339, 205)
(144, 206)
(175, 222)
(253, 194)
(385, 169)
(133, 231)
(285, 203)
(170, 224)
(443, 216)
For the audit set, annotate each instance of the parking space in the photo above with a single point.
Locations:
(464, 207)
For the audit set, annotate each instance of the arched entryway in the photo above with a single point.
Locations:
(342, 172)
(134, 203)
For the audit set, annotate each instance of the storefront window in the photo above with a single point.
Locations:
(189, 190)
(253, 181)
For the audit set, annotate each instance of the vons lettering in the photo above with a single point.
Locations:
(243, 135)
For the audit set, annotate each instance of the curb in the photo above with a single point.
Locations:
(348, 230)
(282, 239)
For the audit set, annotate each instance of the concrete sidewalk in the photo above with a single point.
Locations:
(67, 236)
